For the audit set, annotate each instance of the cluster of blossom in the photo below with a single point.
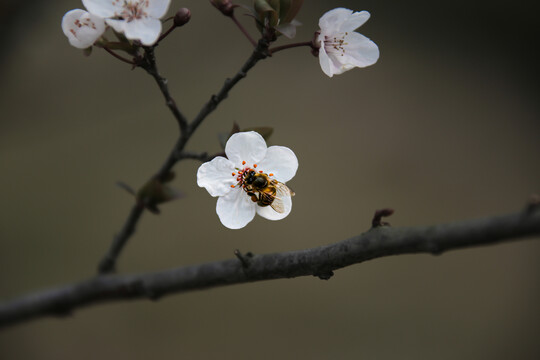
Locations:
(251, 178)
(137, 20)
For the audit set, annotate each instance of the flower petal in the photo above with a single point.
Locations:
(268, 213)
(360, 50)
(280, 161)
(146, 30)
(82, 28)
(235, 210)
(157, 8)
(325, 61)
(246, 146)
(117, 25)
(216, 176)
(331, 21)
(104, 8)
(288, 30)
(354, 21)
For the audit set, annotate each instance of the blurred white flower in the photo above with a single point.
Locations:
(341, 48)
(249, 167)
(136, 19)
(82, 28)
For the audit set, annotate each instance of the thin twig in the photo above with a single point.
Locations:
(108, 262)
(148, 63)
(320, 261)
(243, 30)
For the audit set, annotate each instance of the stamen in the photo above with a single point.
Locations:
(254, 165)
(233, 174)
(232, 186)
(271, 174)
(243, 163)
(260, 171)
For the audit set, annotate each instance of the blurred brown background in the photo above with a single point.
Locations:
(443, 128)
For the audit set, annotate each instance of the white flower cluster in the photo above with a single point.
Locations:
(136, 19)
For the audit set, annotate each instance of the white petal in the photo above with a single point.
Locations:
(157, 8)
(354, 21)
(146, 29)
(82, 28)
(360, 51)
(216, 176)
(280, 161)
(270, 214)
(289, 30)
(246, 146)
(235, 210)
(331, 21)
(104, 8)
(117, 25)
(324, 59)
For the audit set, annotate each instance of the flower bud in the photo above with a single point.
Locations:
(225, 6)
(182, 17)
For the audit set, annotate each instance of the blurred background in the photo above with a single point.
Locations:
(444, 127)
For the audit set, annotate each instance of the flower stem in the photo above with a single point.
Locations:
(290, 46)
(243, 30)
(166, 33)
(119, 57)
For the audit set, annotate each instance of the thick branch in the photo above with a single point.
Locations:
(320, 261)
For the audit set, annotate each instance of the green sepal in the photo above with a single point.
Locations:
(267, 9)
(155, 192)
(288, 10)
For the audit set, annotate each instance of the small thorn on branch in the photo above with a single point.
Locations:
(533, 204)
(324, 274)
(379, 214)
(244, 259)
(126, 187)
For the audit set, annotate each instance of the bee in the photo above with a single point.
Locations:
(265, 191)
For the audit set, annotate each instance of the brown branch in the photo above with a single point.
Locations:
(108, 263)
(321, 261)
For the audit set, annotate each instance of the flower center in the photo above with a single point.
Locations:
(242, 174)
(133, 10)
(336, 44)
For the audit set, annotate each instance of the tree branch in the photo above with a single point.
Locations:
(108, 263)
(321, 261)
(148, 63)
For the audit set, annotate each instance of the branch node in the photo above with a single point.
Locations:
(152, 294)
(434, 248)
(533, 204)
(244, 259)
(324, 274)
(379, 214)
(106, 265)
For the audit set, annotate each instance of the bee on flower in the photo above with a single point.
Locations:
(250, 180)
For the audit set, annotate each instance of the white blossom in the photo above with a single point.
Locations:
(82, 28)
(136, 19)
(341, 48)
(225, 178)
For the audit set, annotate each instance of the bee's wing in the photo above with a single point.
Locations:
(282, 191)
